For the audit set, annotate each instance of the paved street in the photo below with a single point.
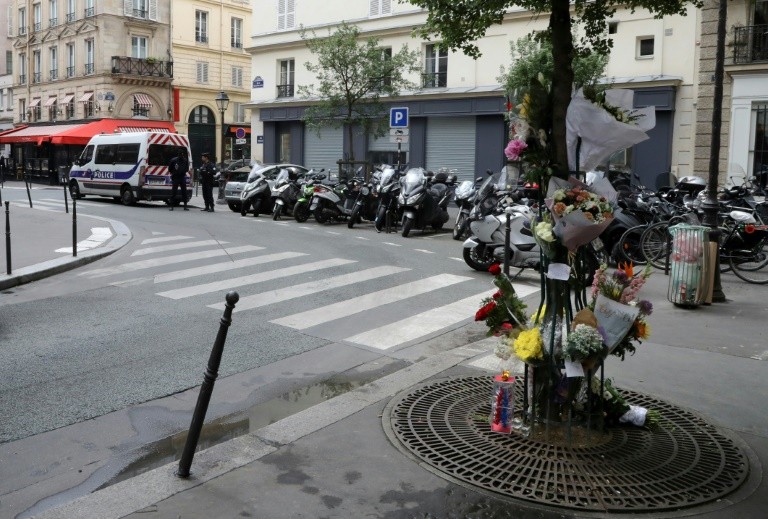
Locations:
(102, 362)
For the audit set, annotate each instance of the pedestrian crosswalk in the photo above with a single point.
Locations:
(301, 290)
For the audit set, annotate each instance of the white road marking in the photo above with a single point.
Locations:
(457, 259)
(98, 236)
(177, 246)
(313, 287)
(164, 239)
(226, 265)
(424, 251)
(310, 318)
(362, 238)
(331, 232)
(761, 356)
(167, 260)
(305, 227)
(390, 243)
(53, 201)
(252, 279)
(156, 233)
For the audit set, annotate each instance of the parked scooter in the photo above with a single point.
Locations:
(388, 192)
(330, 202)
(301, 212)
(366, 201)
(285, 193)
(256, 194)
(464, 197)
(422, 204)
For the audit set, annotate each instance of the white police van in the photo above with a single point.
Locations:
(129, 166)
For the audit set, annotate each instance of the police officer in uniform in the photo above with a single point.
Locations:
(207, 178)
(178, 167)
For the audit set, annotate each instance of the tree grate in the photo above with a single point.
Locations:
(685, 463)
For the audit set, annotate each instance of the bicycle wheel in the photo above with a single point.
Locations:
(751, 265)
(628, 246)
(654, 244)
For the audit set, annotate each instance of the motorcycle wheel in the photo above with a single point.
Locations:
(244, 208)
(277, 211)
(256, 206)
(407, 224)
(481, 264)
(320, 217)
(301, 212)
(381, 217)
(353, 218)
(458, 229)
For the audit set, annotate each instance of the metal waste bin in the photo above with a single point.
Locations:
(688, 282)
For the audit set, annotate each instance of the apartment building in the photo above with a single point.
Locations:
(208, 45)
(744, 142)
(76, 62)
(457, 117)
(6, 76)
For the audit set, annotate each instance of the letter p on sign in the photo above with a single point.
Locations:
(398, 117)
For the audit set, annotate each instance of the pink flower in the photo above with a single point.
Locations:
(514, 149)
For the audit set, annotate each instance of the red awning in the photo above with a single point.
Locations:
(143, 100)
(79, 133)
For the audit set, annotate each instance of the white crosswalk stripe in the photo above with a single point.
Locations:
(163, 239)
(236, 283)
(168, 260)
(176, 246)
(53, 201)
(226, 265)
(310, 318)
(313, 287)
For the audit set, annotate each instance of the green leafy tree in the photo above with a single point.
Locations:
(458, 24)
(352, 76)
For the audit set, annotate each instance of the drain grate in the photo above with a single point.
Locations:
(686, 463)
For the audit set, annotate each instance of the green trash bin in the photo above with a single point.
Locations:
(688, 282)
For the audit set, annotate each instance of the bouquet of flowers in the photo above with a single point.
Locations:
(618, 309)
(503, 311)
(580, 213)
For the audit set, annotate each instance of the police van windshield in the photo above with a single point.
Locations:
(161, 154)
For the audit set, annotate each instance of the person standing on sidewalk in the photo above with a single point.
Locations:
(207, 178)
(178, 167)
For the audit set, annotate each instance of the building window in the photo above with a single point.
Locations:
(22, 21)
(37, 67)
(139, 47)
(23, 68)
(286, 14)
(88, 106)
(436, 67)
(54, 63)
(380, 7)
(53, 13)
(89, 67)
(237, 76)
(23, 109)
(613, 27)
(237, 33)
(287, 70)
(386, 73)
(37, 11)
(239, 112)
(201, 27)
(140, 9)
(89, 9)
(9, 62)
(69, 107)
(53, 111)
(70, 60)
(71, 11)
(645, 47)
(202, 72)
(202, 115)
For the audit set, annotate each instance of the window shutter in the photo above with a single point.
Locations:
(153, 9)
(374, 10)
(205, 72)
(290, 14)
(199, 78)
(386, 7)
(128, 7)
(281, 14)
(10, 21)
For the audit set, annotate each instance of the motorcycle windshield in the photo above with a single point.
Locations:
(464, 189)
(413, 180)
(386, 176)
(282, 178)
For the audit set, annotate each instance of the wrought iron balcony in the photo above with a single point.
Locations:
(284, 90)
(70, 17)
(142, 67)
(750, 44)
(23, 79)
(53, 22)
(90, 11)
(37, 77)
(140, 13)
(434, 79)
(89, 68)
(54, 74)
(38, 26)
(70, 71)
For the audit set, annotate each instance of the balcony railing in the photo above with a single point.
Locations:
(142, 66)
(140, 13)
(750, 44)
(54, 75)
(70, 71)
(37, 27)
(434, 79)
(22, 30)
(70, 17)
(37, 77)
(201, 38)
(89, 68)
(53, 22)
(23, 79)
(284, 90)
(89, 11)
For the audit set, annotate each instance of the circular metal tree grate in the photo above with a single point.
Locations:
(685, 463)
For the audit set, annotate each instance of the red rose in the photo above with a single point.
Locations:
(495, 269)
(503, 329)
(482, 314)
(498, 294)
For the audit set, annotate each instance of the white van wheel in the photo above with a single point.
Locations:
(126, 196)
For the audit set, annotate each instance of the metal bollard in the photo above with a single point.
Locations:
(74, 227)
(26, 183)
(8, 237)
(204, 398)
(508, 212)
(66, 203)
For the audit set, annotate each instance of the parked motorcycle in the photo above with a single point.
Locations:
(422, 203)
(256, 195)
(301, 212)
(388, 191)
(331, 202)
(464, 197)
(365, 198)
(285, 193)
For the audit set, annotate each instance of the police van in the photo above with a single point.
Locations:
(130, 166)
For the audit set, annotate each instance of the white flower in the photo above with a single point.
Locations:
(502, 350)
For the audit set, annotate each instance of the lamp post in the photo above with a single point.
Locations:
(222, 101)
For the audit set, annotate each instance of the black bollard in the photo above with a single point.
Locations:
(207, 388)
(8, 237)
(74, 227)
(66, 203)
(29, 196)
(507, 250)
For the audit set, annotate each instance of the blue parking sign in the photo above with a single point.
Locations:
(398, 117)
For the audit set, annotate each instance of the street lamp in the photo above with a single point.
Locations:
(222, 101)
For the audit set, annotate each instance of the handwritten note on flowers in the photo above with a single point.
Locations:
(615, 319)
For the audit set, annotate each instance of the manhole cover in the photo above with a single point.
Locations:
(688, 462)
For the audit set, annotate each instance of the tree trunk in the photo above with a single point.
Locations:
(562, 81)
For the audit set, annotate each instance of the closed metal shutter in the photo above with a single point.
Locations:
(323, 151)
(382, 144)
(451, 144)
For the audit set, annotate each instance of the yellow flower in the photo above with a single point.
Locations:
(538, 317)
(528, 345)
(642, 330)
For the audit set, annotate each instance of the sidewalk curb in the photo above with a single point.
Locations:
(139, 492)
(63, 264)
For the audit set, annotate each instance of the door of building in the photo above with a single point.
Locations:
(201, 126)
